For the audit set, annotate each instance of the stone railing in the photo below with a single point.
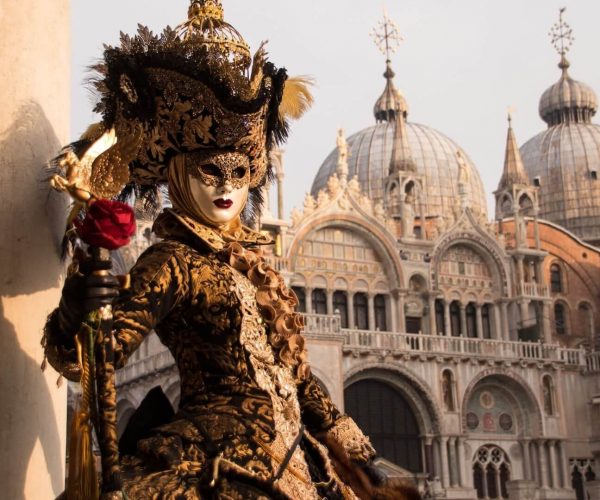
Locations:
(533, 290)
(322, 324)
(280, 264)
(441, 345)
(592, 362)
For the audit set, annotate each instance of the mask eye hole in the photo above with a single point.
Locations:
(210, 169)
(239, 173)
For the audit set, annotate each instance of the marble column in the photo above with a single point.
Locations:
(520, 271)
(447, 320)
(452, 461)
(309, 308)
(351, 322)
(546, 322)
(432, 325)
(553, 469)
(463, 320)
(401, 313)
(526, 459)
(497, 335)
(464, 475)
(564, 464)
(429, 461)
(479, 321)
(35, 50)
(392, 302)
(543, 458)
(536, 230)
(505, 323)
(330, 301)
(371, 302)
(444, 455)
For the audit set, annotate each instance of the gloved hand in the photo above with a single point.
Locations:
(87, 288)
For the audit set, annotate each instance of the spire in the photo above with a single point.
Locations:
(391, 106)
(391, 103)
(514, 172)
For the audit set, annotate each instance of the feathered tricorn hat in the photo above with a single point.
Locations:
(190, 88)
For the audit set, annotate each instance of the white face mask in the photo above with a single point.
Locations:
(221, 204)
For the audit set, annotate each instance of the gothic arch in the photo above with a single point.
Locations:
(486, 247)
(414, 389)
(531, 420)
(376, 235)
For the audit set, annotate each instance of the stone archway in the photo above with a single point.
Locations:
(410, 399)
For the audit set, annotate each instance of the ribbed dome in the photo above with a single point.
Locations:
(568, 100)
(565, 161)
(434, 155)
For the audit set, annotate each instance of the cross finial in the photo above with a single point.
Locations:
(386, 36)
(561, 34)
(510, 111)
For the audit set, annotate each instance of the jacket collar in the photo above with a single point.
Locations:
(175, 224)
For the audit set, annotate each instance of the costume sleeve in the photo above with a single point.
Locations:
(159, 282)
(324, 420)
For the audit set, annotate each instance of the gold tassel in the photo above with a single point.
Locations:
(83, 481)
(297, 97)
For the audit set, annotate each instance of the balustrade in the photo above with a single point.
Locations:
(592, 362)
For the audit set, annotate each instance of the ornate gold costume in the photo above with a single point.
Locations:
(242, 406)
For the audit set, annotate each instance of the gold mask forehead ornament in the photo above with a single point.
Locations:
(219, 168)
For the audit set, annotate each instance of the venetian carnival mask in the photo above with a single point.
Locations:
(219, 184)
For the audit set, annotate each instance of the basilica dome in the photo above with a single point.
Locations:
(564, 159)
(433, 155)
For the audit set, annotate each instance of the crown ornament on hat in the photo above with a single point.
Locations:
(195, 87)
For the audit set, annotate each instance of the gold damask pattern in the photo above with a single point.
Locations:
(241, 404)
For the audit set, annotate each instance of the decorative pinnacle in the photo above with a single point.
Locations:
(386, 36)
(205, 8)
(561, 37)
(510, 111)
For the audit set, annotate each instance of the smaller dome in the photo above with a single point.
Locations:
(391, 103)
(568, 101)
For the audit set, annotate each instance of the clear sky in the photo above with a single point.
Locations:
(462, 63)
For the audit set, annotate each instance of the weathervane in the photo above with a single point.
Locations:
(386, 36)
(561, 34)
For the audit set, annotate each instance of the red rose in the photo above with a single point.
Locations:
(107, 224)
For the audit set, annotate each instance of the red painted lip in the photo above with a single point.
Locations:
(224, 204)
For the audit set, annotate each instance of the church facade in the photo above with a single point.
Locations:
(467, 347)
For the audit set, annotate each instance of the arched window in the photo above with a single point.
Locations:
(491, 472)
(439, 317)
(548, 394)
(448, 390)
(455, 318)
(471, 320)
(486, 321)
(380, 313)
(556, 284)
(361, 311)
(301, 294)
(560, 319)
(385, 416)
(340, 306)
(319, 301)
(582, 472)
(586, 320)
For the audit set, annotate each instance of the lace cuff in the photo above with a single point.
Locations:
(356, 445)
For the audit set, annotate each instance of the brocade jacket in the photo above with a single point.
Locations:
(241, 408)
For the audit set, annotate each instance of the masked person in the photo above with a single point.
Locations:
(190, 109)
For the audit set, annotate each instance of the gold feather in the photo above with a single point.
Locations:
(297, 97)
